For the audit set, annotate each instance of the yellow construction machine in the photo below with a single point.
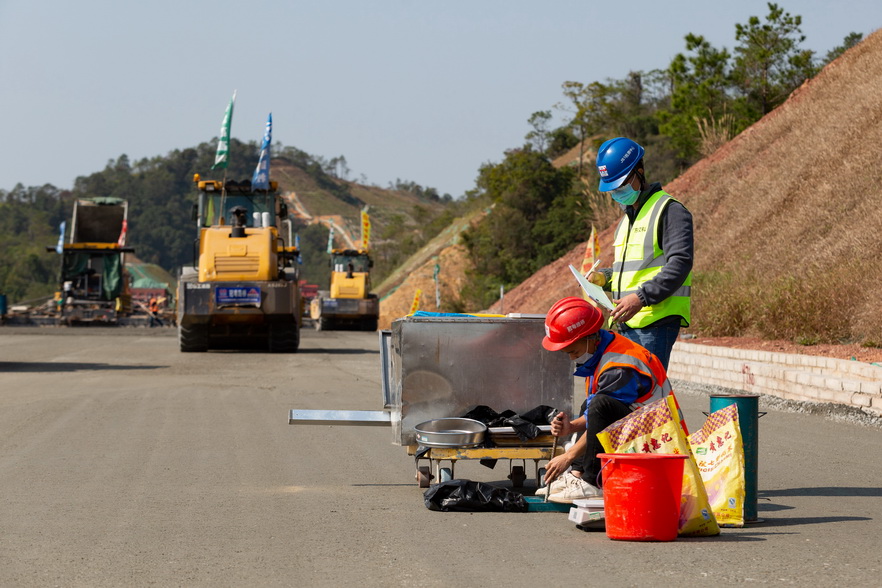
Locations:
(349, 303)
(242, 290)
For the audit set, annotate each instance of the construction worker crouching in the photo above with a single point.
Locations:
(620, 376)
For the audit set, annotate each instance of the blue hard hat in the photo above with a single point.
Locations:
(615, 160)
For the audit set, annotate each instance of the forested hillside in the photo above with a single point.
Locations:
(29, 220)
(161, 194)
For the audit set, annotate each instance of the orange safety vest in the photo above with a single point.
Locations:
(624, 353)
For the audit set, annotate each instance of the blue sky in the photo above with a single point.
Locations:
(411, 89)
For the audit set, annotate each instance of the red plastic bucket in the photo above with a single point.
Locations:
(641, 495)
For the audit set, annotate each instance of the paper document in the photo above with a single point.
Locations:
(593, 291)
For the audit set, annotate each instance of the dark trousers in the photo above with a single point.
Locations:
(602, 412)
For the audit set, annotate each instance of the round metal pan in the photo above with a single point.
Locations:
(450, 432)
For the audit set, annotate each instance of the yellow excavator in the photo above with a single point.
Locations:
(349, 303)
(242, 290)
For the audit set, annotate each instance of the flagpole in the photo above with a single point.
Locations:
(223, 152)
(223, 197)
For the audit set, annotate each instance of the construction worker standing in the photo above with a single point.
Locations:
(155, 320)
(651, 277)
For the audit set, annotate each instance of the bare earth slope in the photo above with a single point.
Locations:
(418, 273)
(339, 202)
(796, 194)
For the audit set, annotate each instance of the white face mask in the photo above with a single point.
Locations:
(583, 358)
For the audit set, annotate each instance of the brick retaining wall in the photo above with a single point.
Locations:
(785, 375)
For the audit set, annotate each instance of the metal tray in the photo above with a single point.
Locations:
(450, 432)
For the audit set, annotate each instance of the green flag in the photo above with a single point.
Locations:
(331, 239)
(223, 143)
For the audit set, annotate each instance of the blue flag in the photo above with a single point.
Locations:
(260, 181)
(59, 249)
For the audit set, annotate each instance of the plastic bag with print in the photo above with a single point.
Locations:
(719, 452)
(656, 428)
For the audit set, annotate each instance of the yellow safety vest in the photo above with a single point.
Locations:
(639, 257)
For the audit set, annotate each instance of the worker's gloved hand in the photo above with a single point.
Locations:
(597, 278)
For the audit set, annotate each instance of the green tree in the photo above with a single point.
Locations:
(769, 63)
(29, 219)
(531, 222)
(578, 96)
(567, 223)
(851, 39)
(699, 88)
(561, 140)
(539, 136)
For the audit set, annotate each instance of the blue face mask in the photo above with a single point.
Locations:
(625, 194)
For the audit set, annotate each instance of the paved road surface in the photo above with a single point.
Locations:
(126, 463)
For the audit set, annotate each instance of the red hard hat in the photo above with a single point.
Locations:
(569, 320)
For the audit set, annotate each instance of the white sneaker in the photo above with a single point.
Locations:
(556, 485)
(575, 489)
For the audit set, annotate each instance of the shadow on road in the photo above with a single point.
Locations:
(773, 507)
(244, 351)
(770, 522)
(341, 351)
(726, 536)
(756, 531)
(822, 491)
(64, 366)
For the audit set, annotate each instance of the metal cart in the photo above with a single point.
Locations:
(508, 447)
(439, 367)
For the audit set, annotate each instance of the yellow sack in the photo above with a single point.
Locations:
(719, 451)
(655, 428)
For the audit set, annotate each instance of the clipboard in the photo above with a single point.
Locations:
(593, 291)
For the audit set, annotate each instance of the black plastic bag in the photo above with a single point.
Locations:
(524, 425)
(469, 496)
(541, 415)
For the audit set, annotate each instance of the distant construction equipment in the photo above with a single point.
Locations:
(93, 286)
(242, 289)
(349, 302)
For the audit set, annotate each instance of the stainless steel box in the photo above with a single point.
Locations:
(437, 367)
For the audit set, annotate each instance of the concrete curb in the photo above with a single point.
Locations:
(789, 376)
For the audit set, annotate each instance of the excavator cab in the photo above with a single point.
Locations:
(350, 274)
(349, 302)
